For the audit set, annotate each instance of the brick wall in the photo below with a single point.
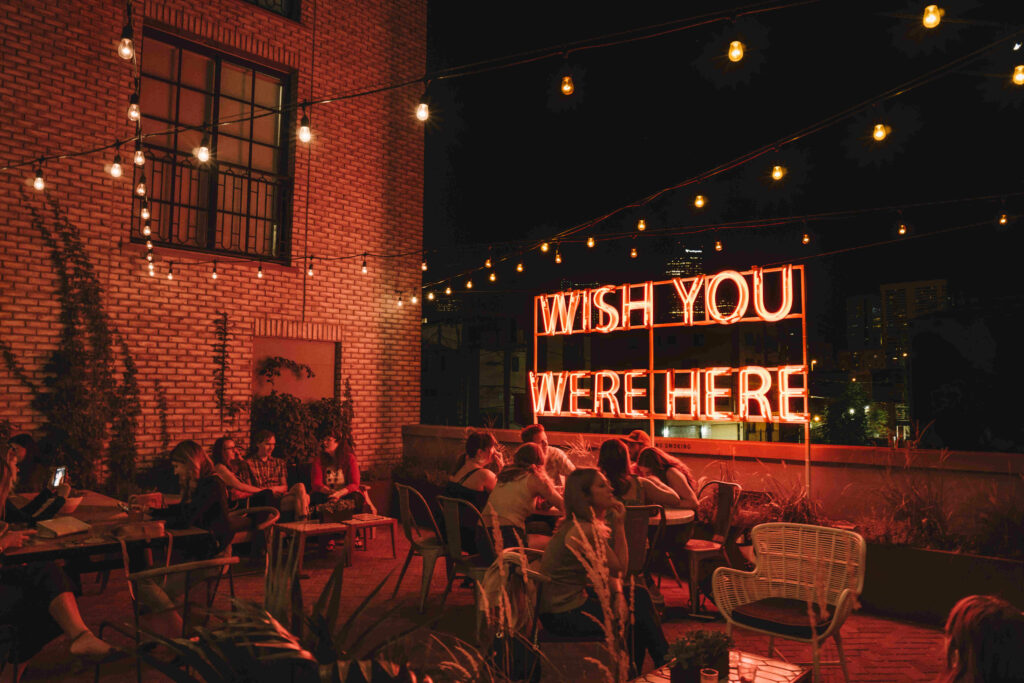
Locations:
(65, 89)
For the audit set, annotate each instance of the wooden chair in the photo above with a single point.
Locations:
(473, 567)
(642, 541)
(430, 548)
(698, 550)
(798, 567)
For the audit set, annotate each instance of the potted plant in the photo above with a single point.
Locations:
(698, 650)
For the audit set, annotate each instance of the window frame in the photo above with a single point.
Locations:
(209, 174)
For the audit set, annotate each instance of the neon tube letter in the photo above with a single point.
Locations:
(688, 296)
(759, 395)
(786, 274)
(743, 297)
(712, 393)
(601, 394)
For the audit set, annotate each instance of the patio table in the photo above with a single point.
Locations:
(768, 670)
(363, 522)
(300, 531)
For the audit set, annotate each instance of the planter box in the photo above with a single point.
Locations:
(923, 585)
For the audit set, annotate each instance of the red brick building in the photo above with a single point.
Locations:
(236, 74)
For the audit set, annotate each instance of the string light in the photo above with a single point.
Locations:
(519, 267)
(38, 183)
(493, 277)
(364, 263)
(126, 47)
(448, 290)
(568, 87)
(309, 271)
(932, 16)
(152, 273)
(414, 299)
(778, 172)
(400, 302)
(558, 256)
(487, 263)
(736, 51)
(140, 189)
(1003, 219)
(641, 225)
(213, 275)
(305, 135)
(423, 266)
(203, 152)
(590, 242)
(544, 247)
(699, 201)
(149, 244)
(632, 253)
(469, 284)
(259, 272)
(902, 229)
(146, 229)
(149, 256)
(144, 212)
(718, 245)
(134, 112)
(1018, 74)
(806, 239)
(115, 168)
(430, 296)
(170, 270)
(140, 157)
(423, 107)
(880, 131)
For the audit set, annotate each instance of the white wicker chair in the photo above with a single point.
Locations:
(797, 565)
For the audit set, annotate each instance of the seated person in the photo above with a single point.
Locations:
(334, 474)
(22, 455)
(556, 463)
(593, 515)
(229, 467)
(984, 636)
(38, 599)
(514, 498)
(636, 441)
(472, 481)
(268, 474)
(613, 460)
(654, 463)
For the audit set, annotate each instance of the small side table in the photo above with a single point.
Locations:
(302, 530)
(364, 521)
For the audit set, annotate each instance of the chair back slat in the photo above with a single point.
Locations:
(406, 496)
(808, 562)
(637, 526)
(454, 511)
(728, 496)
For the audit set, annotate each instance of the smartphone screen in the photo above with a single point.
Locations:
(58, 476)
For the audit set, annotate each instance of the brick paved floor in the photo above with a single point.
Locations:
(877, 649)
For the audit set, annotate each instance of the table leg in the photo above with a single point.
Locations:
(392, 527)
(301, 540)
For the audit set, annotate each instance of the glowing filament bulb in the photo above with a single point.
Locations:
(400, 302)
(718, 245)
(806, 239)
(902, 229)
(140, 157)
(147, 230)
(567, 87)
(422, 111)
(430, 296)
(448, 291)
(469, 284)
(203, 152)
(151, 272)
(778, 172)
(149, 257)
(414, 299)
(632, 253)
(423, 266)
(309, 271)
(493, 277)
(213, 275)
(880, 131)
(115, 168)
(544, 247)
(699, 201)
(38, 182)
(590, 242)
(259, 271)
(1002, 219)
(170, 271)
(140, 189)
(1018, 74)
(932, 16)
(558, 256)
(736, 51)
(519, 267)
(305, 135)
(364, 264)
(126, 49)
(134, 112)
(487, 263)
(144, 213)
(641, 225)
(149, 244)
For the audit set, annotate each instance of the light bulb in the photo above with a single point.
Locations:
(38, 182)
(430, 296)
(632, 253)
(125, 47)
(140, 189)
(718, 245)
(140, 157)
(558, 256)
(448, 290)
(259, 271)
(151, 272)
(309, 271)
(778, 172)
(422, 111)
(544, 247)
(149, 244)
(203, 152)
(493, 277)
(414, 299)
(423, 266)
(305, 135)
(590, 242)
(519, 267)
(880, 131)
(902, 229)
(364, 264)
(932, 16)
(641, 225)
(1002, 219)
(736, 51)
(469, 284)
(170, 271)
(134, 113)
(806, 239)
(400, 302)
(567, 87)
(146, 229)
(115, 168)
(144, 213)
(699, 201)
(1018, 74)
(213, 275)
(149, 256)
(487, 263)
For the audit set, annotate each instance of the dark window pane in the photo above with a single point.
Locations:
(157, 100)
(197, 71)
(236, 82)
(195, 109)
(265, 129)
(160, 59)
(264, 158)
(232, 150)
(268, 92)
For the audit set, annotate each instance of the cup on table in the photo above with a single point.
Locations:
(137, 511)
(709, 676)
(747, 671)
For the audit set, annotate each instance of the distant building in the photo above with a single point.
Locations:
(901, 303)
(863, 322)
(687, 262)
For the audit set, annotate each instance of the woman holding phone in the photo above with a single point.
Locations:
(21, 452)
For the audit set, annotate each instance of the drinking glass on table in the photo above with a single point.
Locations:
(709, 676)
(747, 671)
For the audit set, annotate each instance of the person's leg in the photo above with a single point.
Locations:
(648, 635)
(582, 621)
(64, 610)
(296, 502)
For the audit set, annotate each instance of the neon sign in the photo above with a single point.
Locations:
(750, 393)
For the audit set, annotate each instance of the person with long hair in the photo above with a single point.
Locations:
(38, 599)
(229, 467)
(334, 472)
(594, 515)
(472, 481)
(613, 461)
(984, 636)
(556, 463)
(514, 498)
(29, 475)
(654, 463)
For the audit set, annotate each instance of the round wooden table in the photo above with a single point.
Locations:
(673, 517)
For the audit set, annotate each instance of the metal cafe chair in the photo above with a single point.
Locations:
(429, 547)
(698, 550)
(453, 511)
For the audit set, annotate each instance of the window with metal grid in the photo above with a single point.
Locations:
(239, 201)
(286, 8)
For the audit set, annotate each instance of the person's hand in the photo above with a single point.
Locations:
(279, 489)
(616, 514)
(64, 490)
(15, 539)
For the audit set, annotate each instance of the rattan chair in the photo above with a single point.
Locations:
(429, 547)
(797, 566)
